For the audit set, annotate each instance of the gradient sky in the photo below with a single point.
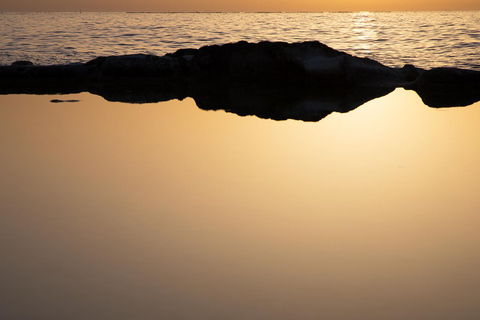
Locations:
(236, 5)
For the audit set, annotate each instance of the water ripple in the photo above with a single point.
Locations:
(425, 39)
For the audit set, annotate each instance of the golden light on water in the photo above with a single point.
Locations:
(117, 211)
(363, 24)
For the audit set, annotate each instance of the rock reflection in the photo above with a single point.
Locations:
(306, 102)
(277, 102)
(274, 80)
(282, 103)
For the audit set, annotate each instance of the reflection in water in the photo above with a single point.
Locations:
(278, 101)
(281, 103)
(164, 211)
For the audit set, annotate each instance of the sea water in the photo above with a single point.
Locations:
(424, 39)
(112, 210)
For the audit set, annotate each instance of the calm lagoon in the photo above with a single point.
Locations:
(165, 211)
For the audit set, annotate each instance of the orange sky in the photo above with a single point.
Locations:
(236, 5)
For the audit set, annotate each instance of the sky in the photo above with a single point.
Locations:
(236, 5)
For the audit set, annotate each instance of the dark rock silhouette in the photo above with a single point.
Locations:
(306, 103)
(275, 80)
(242, 61)
(273, 61)
(448, 87)
(264, 100)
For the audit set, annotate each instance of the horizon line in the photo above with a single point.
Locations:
(172, 11)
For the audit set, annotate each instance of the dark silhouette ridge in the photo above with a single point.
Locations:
(282, 102)
(448, 87)
(276, 80)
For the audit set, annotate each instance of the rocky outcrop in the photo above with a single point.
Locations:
(447, 87)
(276, 80)
(236, 62)
(274, 61)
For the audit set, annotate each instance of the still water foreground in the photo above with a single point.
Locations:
(165, 211)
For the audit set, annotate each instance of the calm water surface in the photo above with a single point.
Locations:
(165, 211)
(425, 39)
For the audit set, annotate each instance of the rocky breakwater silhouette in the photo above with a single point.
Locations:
(276, 80)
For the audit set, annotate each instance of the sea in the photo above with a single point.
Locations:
(117, 205)
(424, 39)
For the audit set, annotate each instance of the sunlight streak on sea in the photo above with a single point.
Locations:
(425, 39)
